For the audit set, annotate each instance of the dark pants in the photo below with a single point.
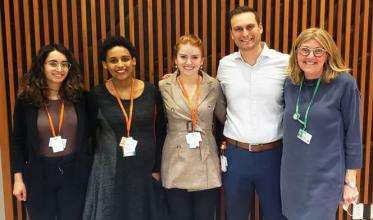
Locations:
(60, 200)
(197, 205)
(248, 172)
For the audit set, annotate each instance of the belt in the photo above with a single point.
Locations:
(255, 147)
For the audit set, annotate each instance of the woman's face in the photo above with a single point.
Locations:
(56, 68)
(311, 58)
(119, 63)
(189, 59)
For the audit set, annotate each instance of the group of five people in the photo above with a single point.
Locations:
(293, 120)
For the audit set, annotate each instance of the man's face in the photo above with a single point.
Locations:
(245, 31)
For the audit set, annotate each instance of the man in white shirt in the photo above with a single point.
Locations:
(252, 80)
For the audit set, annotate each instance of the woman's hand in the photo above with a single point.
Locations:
(350, 194)
(166, 76)
(19, 188)
(157, 176)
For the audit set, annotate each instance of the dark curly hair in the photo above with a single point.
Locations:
(113, 41)
(34, 88)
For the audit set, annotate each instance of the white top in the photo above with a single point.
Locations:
(254, 96)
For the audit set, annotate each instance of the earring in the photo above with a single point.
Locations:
(201, 70)
(175, 68)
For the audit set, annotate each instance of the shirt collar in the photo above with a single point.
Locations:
(266, 53)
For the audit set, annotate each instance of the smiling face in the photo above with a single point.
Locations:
(311, 65)
(245, 31)
(119, 63)
(56, 69)
(189, 59)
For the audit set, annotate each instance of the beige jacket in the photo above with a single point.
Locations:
(182, 167)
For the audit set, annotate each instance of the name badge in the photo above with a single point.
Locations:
(57, 143)
(193, 139)
(128, 145)
(223, 163)
(304, 136)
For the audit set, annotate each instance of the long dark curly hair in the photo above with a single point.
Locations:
(34, 88)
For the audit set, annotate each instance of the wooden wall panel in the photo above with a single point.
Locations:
(150, 41)
(36, 24)
(160, 38)
(55, 17)
(26, 15)
(141, 40)
(154, 26)
(65, 28)
(74, 21)
(45, 21)
(4, 139)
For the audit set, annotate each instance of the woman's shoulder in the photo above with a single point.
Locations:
(166, 81)
(288, 84)
(345, 77)
(209, 79)
(25, 103)
(149, 85)
(97, 90)
(346, 80)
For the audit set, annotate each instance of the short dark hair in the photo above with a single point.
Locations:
(113, 41)
(243, 9)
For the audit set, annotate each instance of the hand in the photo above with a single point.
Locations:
(167, 75)
(350, 194)
(157, 176)
(223, 147)
(19, 190)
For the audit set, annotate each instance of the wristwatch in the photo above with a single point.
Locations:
(350, 184)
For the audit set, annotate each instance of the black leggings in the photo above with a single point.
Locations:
(60, 200)
(196, 205)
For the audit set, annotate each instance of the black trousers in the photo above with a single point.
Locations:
(60, 200)
(196, 205)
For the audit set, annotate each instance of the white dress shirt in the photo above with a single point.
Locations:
(254, 95)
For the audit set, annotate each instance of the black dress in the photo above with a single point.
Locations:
(123, 187)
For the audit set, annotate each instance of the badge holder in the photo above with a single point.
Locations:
(128, 144)
(193, 139)
(57, 144)
(304, 136)
(223, 158)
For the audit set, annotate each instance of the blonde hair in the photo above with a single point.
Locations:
(334, 64)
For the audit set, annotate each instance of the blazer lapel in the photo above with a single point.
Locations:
(177, 95)
(205, 88)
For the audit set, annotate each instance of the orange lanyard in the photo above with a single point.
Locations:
(128, 119)
(51, 121)
(193, 108)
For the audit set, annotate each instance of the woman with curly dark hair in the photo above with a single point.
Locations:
(49, 143)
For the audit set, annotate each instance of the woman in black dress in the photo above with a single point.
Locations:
(49, 146)
(128, 115)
